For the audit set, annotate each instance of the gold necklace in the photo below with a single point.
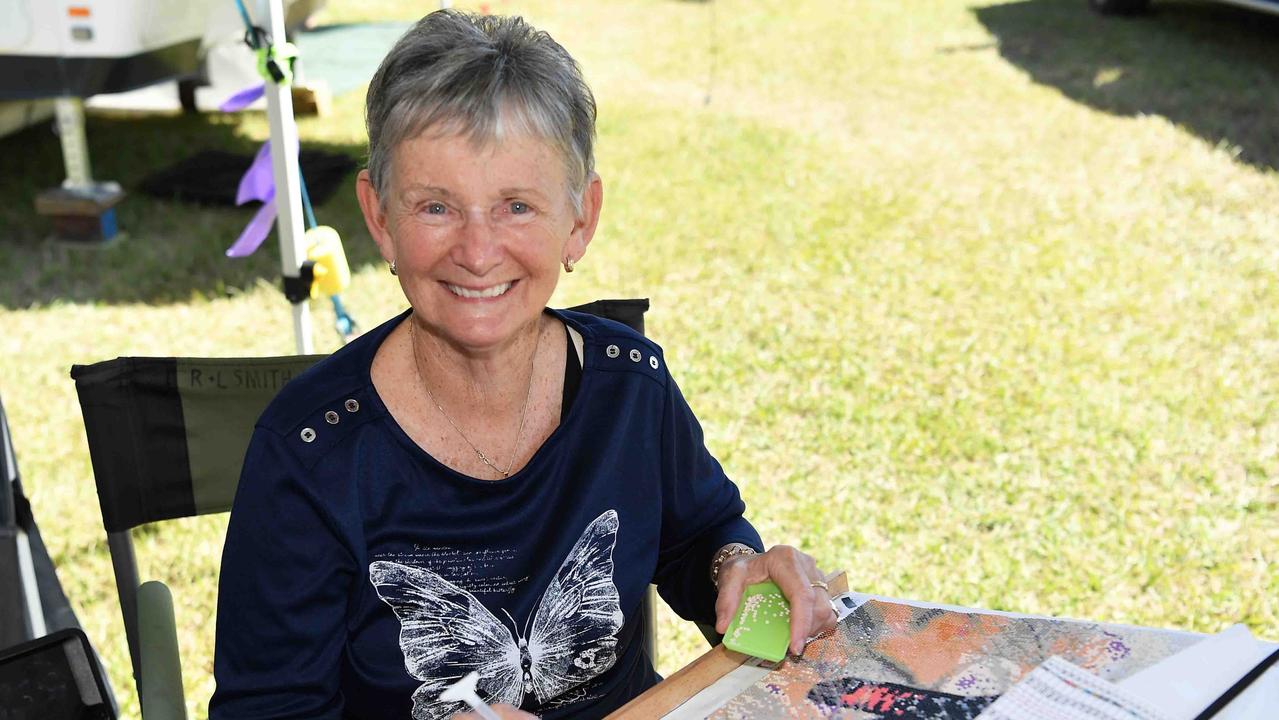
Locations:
(519, 434)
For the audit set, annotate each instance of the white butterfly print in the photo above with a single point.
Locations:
(446, 633)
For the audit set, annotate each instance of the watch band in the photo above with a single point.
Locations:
(726, 552)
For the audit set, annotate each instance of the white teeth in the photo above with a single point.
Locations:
(487, 292)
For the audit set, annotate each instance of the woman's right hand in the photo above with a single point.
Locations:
(504, 711)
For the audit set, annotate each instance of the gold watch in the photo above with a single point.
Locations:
(724, 553)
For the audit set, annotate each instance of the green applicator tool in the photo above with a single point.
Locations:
(761, 626)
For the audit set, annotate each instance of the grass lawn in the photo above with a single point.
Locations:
(975, 300)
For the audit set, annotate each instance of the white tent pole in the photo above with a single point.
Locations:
(284, 167)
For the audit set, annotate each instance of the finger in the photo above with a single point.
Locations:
(801, 617)
(824, 614)
(791, 570)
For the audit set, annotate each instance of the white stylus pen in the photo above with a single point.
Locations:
(464, 690)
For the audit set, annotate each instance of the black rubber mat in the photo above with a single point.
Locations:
(211, 177)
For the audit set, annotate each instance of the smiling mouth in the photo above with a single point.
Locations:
(491, 291)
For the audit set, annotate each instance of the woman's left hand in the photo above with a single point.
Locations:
(796, 574)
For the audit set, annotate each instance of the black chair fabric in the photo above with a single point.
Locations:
(167, 435)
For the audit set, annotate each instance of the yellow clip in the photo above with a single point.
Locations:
(332, 274)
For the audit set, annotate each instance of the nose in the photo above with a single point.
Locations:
(477, 249)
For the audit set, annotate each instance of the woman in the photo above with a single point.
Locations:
(480, 484)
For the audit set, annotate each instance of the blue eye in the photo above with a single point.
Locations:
(436, 209)
(519, 208)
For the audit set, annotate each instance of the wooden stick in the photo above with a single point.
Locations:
(697, 675)
(684, 684)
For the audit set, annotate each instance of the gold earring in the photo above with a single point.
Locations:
(392, 268)
(568, 264)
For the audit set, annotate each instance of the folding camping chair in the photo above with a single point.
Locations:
(48, 668)
(167, 437)
(21, 611)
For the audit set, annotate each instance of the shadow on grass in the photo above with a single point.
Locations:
(1212, 69)
(173, 251)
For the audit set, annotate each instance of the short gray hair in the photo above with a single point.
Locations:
(483, 76)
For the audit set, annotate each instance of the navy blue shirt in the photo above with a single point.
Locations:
(361, 577)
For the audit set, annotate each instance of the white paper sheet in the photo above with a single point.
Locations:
(1183, 685)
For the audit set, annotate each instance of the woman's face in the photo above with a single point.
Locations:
(477, 234)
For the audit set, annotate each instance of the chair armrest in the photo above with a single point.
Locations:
(160, 690)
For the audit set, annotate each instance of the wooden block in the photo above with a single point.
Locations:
(61, 201)
(81, 216)
(313, 99)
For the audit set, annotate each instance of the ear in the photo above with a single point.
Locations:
(374, 215)
(585, 223)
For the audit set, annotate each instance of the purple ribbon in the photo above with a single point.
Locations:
(255, 232)
(243, 99)
(258, 183)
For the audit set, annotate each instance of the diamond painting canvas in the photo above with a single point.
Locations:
(890, 660)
